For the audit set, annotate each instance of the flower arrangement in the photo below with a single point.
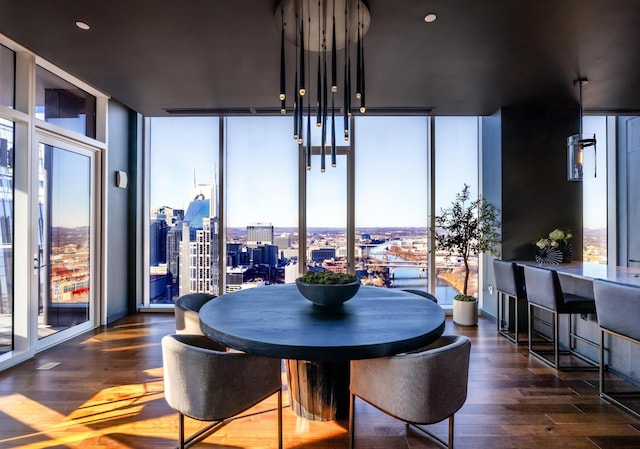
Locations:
(555, 248)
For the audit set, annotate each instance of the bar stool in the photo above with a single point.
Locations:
(509, 279)
(618, 309)
(545, 293)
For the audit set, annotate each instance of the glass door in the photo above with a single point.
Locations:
(64, 224)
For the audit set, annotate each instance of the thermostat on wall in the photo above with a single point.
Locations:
(121, 179)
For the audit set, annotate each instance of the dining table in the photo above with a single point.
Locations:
(318, 342)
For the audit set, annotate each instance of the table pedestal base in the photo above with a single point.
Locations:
(319, 391)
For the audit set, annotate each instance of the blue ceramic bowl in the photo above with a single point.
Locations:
(328, 294)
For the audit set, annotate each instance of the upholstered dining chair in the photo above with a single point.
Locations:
(544, 292)
(509, 279)
(422, 293)
(618, 308)
(186, 312)
(209, 385)
(420, 388)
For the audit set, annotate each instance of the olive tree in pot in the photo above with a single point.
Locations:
(467, 228)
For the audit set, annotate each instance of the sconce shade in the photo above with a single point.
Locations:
(577, 143)
(575, 155)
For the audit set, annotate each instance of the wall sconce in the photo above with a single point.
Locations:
(577, 143)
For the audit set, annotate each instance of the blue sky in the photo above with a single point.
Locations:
(262, 164)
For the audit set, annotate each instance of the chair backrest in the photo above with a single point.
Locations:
(186, 312)
(543, 287)
(422, 293)
(618, 307)
(509, 278)
(211, 385)
(419, 387)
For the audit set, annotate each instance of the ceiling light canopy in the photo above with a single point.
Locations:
(577, 143)
(430, 18)
(82, 25)
(319, 29)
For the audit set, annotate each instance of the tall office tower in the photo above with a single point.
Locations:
(259, 234)
(174, 238)
(158, 242)
(199, 250)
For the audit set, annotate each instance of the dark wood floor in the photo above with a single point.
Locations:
(107, 392)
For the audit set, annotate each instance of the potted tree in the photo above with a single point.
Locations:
(466, 229)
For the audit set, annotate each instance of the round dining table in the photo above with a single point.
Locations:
(318, 342)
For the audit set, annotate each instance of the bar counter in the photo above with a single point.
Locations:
(590, 271)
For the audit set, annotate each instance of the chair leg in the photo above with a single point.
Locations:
(430, 434)
(530, 326)
(280, 418)
(352, 421)
(556, 340)
(503, 324)
(181, 430)
(601, 366)
(451, 432)
(515, 321)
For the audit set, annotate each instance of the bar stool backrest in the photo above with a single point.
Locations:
(509, 278)
(618, 307)
(543, 287)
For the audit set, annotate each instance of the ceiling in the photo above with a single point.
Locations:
(210, 56)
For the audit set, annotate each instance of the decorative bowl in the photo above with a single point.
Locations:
(328, 294)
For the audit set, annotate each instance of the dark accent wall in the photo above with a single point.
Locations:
(122, 208)
(524, 174)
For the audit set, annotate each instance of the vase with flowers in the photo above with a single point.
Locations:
(555, 248)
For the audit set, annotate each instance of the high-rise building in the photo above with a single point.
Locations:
(199, 250)
(282, 241)
(259, 234)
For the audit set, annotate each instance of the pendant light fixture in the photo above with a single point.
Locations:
(577, 143)
(321, 26)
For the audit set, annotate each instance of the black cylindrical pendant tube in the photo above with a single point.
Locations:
(319, 96)
(333, 132)
(283, 84)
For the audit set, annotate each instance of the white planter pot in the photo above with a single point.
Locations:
(465, 313)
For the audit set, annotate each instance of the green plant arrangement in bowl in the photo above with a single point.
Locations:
(326, 288)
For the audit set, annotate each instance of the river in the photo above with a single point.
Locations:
(411, 276)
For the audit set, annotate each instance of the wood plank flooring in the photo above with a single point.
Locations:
(107, 392)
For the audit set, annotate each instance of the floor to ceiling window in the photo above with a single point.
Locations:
(326, 206)
(7, 146)
(261, 192)
(391, 201)
(261, 189)
(594, 192)
(7, 131)
(456, 164)
(182, 215)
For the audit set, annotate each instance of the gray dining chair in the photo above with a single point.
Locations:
(544, 292)
(420, 388)
(510, 286)
(618, 308)
(209, 385)
(186, 311)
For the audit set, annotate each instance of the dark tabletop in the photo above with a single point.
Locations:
(277, 321)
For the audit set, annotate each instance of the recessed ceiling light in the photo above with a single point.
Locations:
(431, 17)
(82, 25)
